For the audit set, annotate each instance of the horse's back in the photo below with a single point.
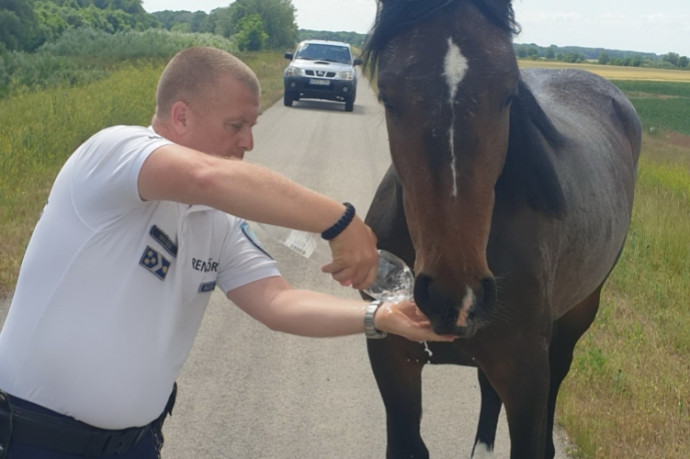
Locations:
(596, 168)
(582, 100)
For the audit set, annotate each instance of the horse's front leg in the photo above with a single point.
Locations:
(521, 379)
(397, 364)
(488, 418)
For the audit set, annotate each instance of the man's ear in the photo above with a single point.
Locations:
(179, 116)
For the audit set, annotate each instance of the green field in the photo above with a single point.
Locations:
(663, 105)
(628, 394)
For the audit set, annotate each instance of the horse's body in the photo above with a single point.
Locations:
(510, 193)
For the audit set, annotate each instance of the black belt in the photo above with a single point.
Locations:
(69, 436)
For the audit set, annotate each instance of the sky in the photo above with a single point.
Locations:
(659, 26)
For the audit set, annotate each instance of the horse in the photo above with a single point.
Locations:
(510, 193)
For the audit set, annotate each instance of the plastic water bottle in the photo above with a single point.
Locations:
(394, 280)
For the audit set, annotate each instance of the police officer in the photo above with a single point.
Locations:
(142, 223)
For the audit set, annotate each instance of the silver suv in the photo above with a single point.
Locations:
(321, 69)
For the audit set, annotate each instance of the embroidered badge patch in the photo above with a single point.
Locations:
(249, 233)
(163, 239)
(207, 287)
(155, 262)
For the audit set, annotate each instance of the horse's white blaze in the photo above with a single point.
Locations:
(482, 451)
(454, 69)
(467, 302)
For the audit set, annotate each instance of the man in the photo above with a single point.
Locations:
(140, 226)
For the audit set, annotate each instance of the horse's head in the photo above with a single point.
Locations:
(447, 74)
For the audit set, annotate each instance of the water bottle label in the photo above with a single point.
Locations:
(301, 242)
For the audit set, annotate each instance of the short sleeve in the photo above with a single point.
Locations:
(105, 171)
(243, 259)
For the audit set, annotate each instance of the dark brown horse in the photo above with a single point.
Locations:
(510, 193)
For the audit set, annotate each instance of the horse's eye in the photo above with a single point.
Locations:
(386, 103)
(508, 100)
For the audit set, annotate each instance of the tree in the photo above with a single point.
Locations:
(551, 53)
(19, 28)
(603, 58)
(277, 17)
(671, 58)
(251, 35)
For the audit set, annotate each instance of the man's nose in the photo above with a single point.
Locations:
(247, 140)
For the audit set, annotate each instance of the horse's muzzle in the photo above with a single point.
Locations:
(460, 312)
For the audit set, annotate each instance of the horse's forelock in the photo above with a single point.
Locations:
(394, 17)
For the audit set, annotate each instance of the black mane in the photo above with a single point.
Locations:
(528, 174)
(394, 17)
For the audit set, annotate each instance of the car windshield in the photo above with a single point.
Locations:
(321, 52)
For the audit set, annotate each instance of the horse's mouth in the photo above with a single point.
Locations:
(455, 315)
(454, 324)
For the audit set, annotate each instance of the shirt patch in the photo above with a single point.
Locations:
(249, 234)
(163, 239)
(207, 286)
(155, 263)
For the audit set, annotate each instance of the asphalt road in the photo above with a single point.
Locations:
(249, 393)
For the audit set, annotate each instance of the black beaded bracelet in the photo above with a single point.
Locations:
(339, 226)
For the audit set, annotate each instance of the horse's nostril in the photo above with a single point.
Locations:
(488, 292)
(433, 300)
(422, 287)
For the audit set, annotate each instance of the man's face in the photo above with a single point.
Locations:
(222, 125)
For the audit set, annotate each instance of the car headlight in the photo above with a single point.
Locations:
(293, 71)
(346, 75)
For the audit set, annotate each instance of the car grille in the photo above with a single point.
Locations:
(320, 73)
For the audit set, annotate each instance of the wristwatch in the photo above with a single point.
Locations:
(369, 329)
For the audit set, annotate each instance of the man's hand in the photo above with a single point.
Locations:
(405, 319)
(355, 258)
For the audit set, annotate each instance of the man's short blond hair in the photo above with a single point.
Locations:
(192, 73)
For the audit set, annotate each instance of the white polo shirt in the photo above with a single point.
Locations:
(112, 289)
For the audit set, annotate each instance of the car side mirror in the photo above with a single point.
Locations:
(288, 56)
(357, 61)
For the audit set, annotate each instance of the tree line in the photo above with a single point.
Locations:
(575, 54)
(252, 25)
(26, 25)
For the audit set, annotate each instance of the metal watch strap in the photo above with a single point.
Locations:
(369, 329)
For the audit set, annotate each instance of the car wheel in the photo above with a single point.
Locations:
(349, 105)
(287, 99)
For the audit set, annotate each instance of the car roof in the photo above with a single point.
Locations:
(326, 42)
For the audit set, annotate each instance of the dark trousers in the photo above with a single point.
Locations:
(147, 448)
(146, 443)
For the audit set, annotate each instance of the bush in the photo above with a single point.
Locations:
(85, 55)
(96, 44)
